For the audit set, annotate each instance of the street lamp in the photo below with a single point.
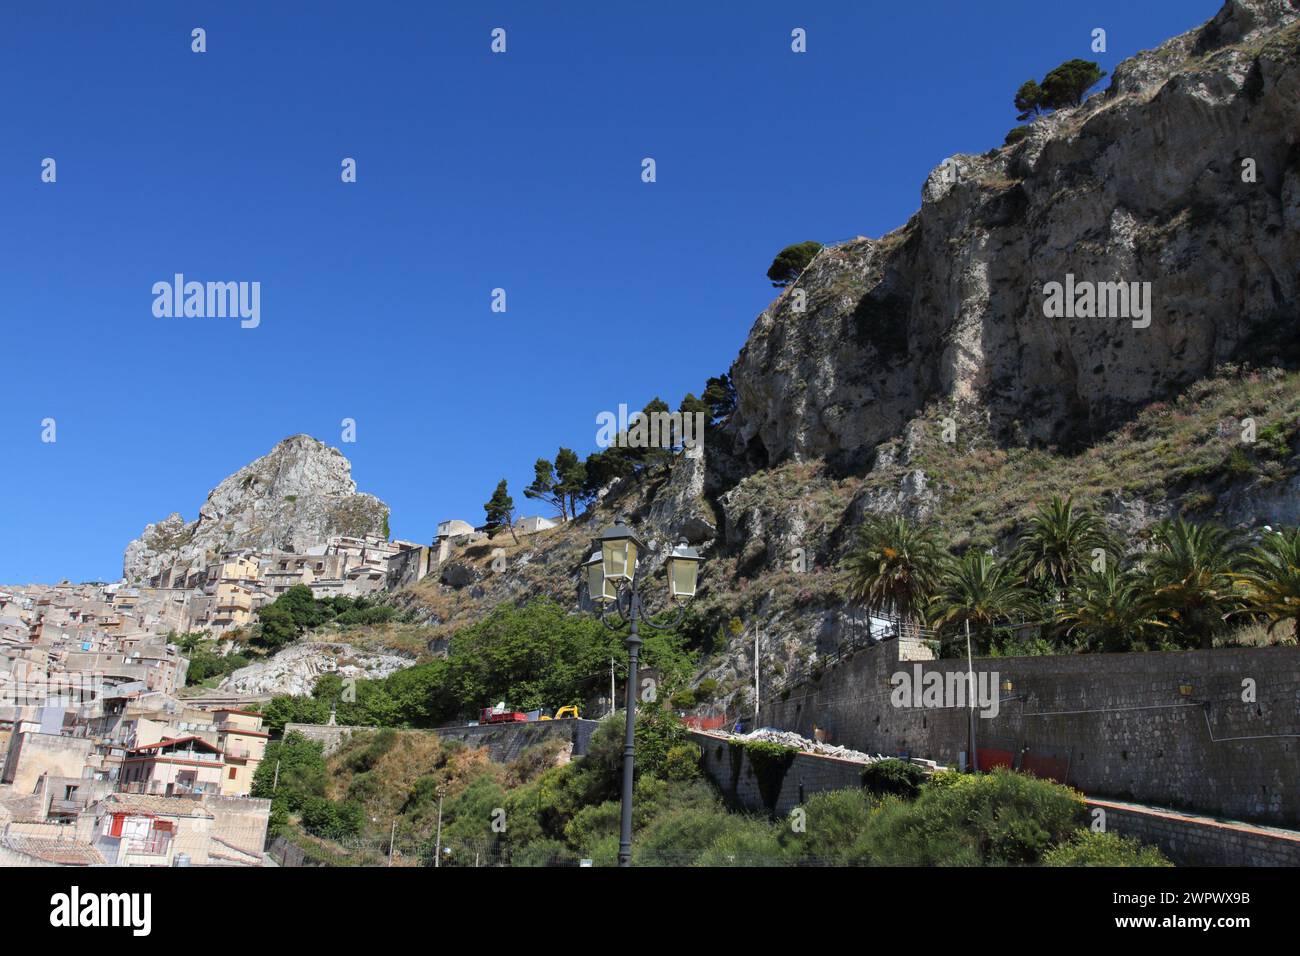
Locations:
(612, 586)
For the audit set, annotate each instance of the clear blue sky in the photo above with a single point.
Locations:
(475, 171)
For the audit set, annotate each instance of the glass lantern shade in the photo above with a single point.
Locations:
(599, 588)
(683, 572)
(618, 548)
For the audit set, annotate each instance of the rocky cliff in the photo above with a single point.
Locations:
(843, 407)
(294, 497)
(1184, 173)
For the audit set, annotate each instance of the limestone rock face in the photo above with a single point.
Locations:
(296, 669)
(1141, 183)
(289, 500)
(680, 510)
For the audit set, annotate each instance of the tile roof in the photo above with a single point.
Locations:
(63, 852)
(154, 805)
(169, 741)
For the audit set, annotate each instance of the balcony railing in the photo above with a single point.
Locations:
(156, 844)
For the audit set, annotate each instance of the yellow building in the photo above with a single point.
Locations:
(243, 742)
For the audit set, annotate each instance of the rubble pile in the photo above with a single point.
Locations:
(788, 738)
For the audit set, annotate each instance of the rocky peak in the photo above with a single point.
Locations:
(1140, 184)
(290, 499)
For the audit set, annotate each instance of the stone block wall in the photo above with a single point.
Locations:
(729, 767)
(1112, 725)
(1191, 840)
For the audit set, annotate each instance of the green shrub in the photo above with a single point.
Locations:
(333, 821)
(834, 824)
(893, 777)
(942, 779)
(543, 853)
(683, 699)
(745, 842)
(593, 823)
(977, 819)
(1104, 849)
(423, 793)
(363, 788)
(682, 762)
(1238, 465)
(769, 761)
(679, 837)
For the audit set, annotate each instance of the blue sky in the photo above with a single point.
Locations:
(475, 171)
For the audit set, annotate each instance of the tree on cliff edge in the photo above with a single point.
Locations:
(791, 261)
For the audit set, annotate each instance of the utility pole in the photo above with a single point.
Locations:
(611, 686)
(392, 838)
(970, 701)
(437, 844)
(756, 676)
(276, 782)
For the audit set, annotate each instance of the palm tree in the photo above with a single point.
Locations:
(1271, 579)
(1109, 610)
(895, 566)
(1059, 543)
(982, 590)
(1191, 577)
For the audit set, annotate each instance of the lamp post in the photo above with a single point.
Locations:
(612, 585)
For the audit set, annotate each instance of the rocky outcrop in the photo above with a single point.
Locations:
(1144, 183)
(289, 500)
(679, 510)
(296, 669)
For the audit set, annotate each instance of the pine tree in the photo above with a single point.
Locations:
(500, 510)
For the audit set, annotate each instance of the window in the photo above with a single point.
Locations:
(234, 772)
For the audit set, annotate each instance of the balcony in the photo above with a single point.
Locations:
(157, 843)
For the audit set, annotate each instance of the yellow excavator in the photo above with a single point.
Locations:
(565, 712)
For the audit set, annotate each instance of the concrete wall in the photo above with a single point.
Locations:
(1112, 725)
(241, 821)
(31, 755)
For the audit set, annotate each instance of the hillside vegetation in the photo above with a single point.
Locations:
(543, 809)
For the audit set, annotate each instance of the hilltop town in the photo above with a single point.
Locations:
(107, 758)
